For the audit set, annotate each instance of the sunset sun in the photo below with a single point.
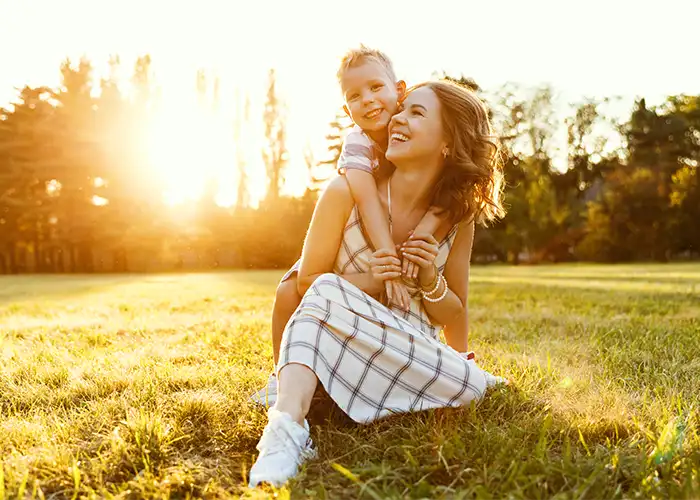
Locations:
(188, 153)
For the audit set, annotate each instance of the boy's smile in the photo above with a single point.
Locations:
(371, 98)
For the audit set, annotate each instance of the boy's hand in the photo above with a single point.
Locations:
(398, 294)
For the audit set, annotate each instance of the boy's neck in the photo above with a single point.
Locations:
(381, 137)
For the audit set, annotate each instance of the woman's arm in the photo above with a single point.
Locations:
(324, 238)
(451, 311)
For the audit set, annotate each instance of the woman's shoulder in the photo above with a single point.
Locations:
(337, 195)
(339, 187)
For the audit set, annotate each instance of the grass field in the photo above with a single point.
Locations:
(136, 386)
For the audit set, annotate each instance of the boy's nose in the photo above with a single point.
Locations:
(367, 98)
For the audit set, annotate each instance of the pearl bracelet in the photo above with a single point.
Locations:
(435, 289)
(442, 295)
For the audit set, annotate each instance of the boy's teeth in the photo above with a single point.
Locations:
(374, 113)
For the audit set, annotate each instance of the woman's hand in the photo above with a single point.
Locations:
(421, 249)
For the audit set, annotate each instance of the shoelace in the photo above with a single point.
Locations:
(275, 440)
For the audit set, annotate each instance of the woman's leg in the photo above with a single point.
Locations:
(296, 386)
(287, 300)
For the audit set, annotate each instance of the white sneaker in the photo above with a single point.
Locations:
(283, 447)
(493, 380)
(267, 396)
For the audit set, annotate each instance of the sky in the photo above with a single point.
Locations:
(593, 48)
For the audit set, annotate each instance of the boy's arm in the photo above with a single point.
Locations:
(356, 162)
(363, 188)
(364, 191)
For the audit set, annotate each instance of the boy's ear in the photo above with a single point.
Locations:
(401, 88)
(347, 111)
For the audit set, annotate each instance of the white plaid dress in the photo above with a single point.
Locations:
(374, 361)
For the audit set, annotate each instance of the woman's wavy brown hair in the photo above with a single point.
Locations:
(472, 181)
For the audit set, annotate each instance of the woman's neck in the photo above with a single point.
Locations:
(412, 188)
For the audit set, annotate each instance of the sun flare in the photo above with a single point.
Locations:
(190, 154)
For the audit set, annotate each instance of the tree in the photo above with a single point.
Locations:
(339, 129)
(29, 152)
(241, 124)
(275, 152)
(624, 224)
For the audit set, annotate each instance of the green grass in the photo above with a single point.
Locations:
(136, 386)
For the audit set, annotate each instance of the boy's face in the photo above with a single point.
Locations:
(371, 98)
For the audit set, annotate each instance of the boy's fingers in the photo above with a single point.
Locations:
(407, 299)
(400, 292)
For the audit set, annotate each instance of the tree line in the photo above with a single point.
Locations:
(77, 193)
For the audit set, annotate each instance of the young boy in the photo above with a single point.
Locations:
(371, 93)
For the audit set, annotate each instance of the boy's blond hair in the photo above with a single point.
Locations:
(363, 54)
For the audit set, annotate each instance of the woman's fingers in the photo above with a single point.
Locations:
(420, 261)
(386, 260)
(427, 237)
(384, 252)
(404, 266)
(390, 266)
(416, 270)
(423, 245)
(419, 252)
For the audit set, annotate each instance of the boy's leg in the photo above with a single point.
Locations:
(287, 300)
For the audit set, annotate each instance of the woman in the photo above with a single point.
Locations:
(374, 361)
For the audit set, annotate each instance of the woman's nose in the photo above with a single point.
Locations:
(399, 119)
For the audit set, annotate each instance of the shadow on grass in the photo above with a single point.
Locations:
(509, 444)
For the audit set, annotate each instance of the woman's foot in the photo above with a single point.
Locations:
(267, 396)
(494, 380)
(283, 447)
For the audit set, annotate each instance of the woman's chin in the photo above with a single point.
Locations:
(394, 154)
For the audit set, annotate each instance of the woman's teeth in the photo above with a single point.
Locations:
(373, 114)
(399, 137)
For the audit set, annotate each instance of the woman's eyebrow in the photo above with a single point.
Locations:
(419, 106)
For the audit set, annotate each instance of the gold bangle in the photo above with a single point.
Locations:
(434, 285)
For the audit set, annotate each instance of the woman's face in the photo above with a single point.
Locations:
(416, 132)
